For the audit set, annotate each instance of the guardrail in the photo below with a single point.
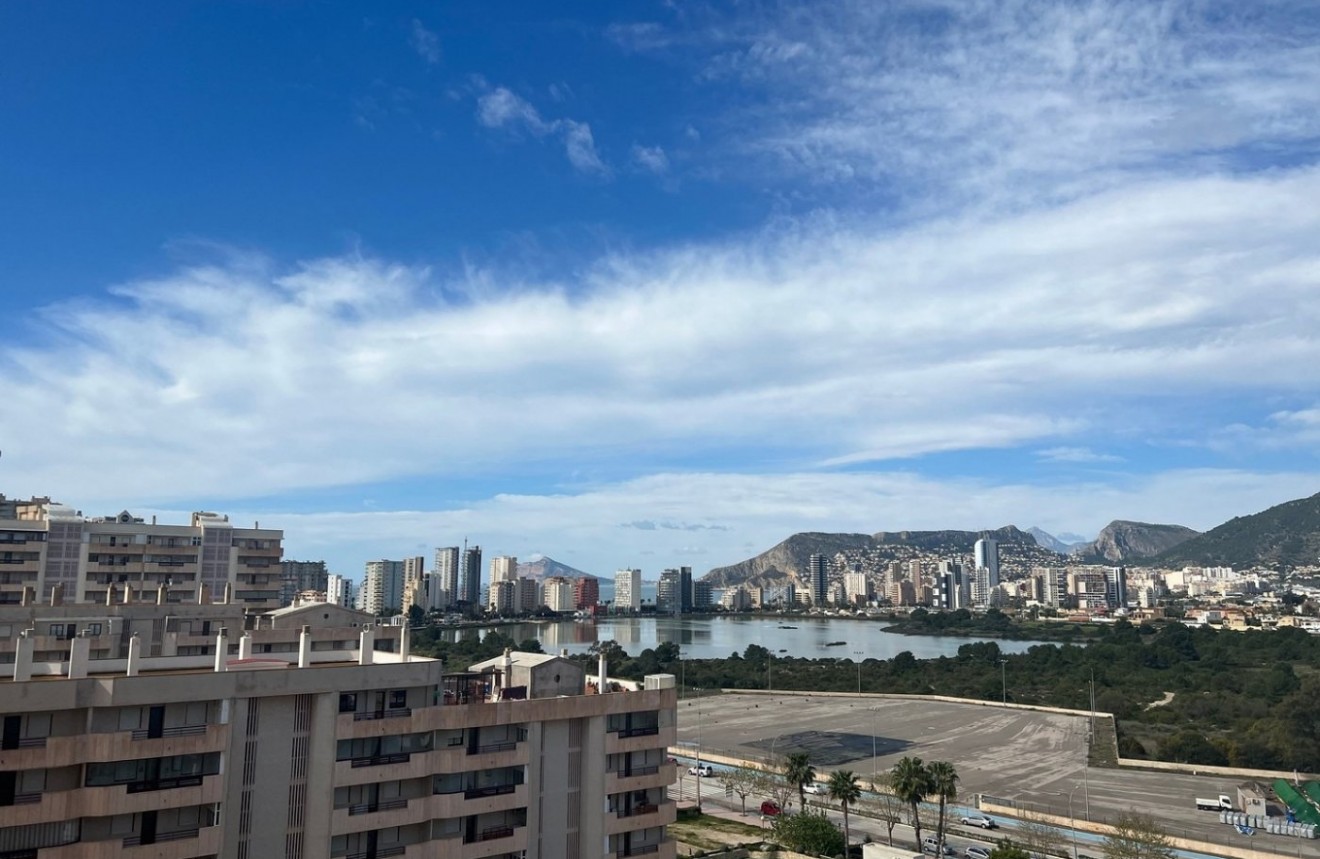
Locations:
(180, 731)
(369, 715)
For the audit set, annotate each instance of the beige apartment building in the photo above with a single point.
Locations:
(188, 731)
(50, 549)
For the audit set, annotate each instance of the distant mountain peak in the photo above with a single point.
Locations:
(1285, 535)
(1122, 541)
(541, 567)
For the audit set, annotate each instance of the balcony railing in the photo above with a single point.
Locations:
(493, 832)
(507, 746)
(164, 783)
(638, 809)
(379, 760)
(489, 790)
(636, 771)
(372, 807)
(181, 731)
(646, 731)
(379, 853)
(27, 798)
(179, 835)
(638, 851)
(369, 715)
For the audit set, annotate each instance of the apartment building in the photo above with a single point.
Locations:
(45, 547)
(310, 733)
(628, 589)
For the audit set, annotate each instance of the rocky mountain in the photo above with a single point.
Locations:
(542, 567)
(788, 561)
(1064, 544)
(1286, 535)
(1123, 542)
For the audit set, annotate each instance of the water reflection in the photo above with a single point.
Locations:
(718, 637)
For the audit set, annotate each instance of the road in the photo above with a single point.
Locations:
(1030, 758)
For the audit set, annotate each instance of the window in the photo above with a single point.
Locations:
(398, 699)
(93, 629)
(348, 702)
(57, 630)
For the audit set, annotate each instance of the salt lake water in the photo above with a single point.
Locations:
(716, 637)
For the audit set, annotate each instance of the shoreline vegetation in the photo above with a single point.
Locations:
(1243, 699)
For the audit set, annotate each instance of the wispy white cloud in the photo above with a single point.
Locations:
(650, 158)
(1075, 454)
(502, 108)
(757, 511)
(812, 344)
(424, 42)
(942, 103)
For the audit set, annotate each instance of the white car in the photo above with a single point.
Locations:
(979, 820)
(976, 851)
(703, 770)
(815, 789)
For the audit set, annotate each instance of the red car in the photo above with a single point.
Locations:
(770, 808)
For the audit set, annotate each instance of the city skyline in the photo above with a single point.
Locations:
(651, 285)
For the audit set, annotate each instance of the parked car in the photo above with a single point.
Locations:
(703, 770)
(931, 845)
(977, 852)
(979, 820)
(815, 789)
(770, 808)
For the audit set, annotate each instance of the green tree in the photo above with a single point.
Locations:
(416, 615)
(944, 784)
(799, 772)
(887, 807)
(1137, 836)
(911, 783)
(808, 832)
(742, 781)
(1006, 849)
(842, 787)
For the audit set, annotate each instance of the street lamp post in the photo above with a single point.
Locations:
(699, 752)
(1072, 821)
(859, 655)
(1003, 680)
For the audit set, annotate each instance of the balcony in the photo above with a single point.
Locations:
(494, 841)
(58, 805)
(643, 777)
(385, 814)
(640, 739)
(379, 852)
(381, 760)
(638, 817)
(172, 845)
(371, 715)
(474, 801)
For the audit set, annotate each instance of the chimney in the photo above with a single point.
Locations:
(162, 593)
(245, 646)
(507, 667)
(203, 594)
(110, 594)
(57, 594)
(23, 654)
(80, 650)
(405, 643)
(305, 647)
(134, 652)
(153, 520)
(602, 670)
(29, 595)
(366, 645)
(229, 593)
(222, 649)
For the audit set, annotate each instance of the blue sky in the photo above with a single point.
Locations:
(653, 284)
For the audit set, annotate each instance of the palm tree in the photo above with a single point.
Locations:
(944, 784)
(842, 787)
(910, 782)
(798, 771)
